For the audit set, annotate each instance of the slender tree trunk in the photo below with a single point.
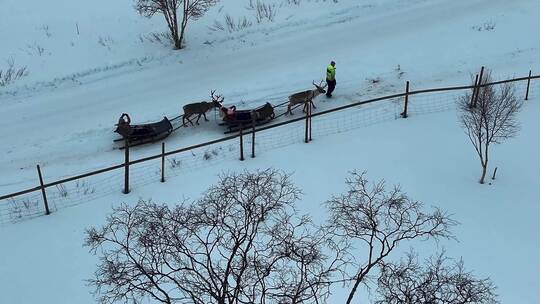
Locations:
(177, 39)
(484, 170)
(171, 17)
(184, 22)
(485, 162)
(353, 291)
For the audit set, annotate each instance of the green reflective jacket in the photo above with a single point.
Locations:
(330, 73)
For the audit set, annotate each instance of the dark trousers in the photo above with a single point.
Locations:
(331, 87)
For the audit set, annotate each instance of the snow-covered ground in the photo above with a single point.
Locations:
(62, 114)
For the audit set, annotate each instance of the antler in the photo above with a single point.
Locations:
(216, 98)
(320, 85)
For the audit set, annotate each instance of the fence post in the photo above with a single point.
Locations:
(528, 84)
(47, 211)
(241, 142)
(471, 104)
(253, 136)
(479, 87)
(126, 168)
(404, 113)
(162, 162)
(306, 138)
(310, 109)
(494, 173)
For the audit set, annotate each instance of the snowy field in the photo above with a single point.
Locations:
(88, 66)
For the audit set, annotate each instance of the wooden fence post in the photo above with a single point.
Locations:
(126, 168)
(306, 137)
(310, 109)
(241, 142)
(406, 107)
(162, 162)
(528, 85)
(479, 87)
(253, 137)
(47, 211)
(471, 104)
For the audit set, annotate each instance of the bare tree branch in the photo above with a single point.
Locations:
(380, 219)
(441, 281)
(242, 242)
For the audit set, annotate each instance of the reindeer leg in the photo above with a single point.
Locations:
(313, 105)
(204, 114)
(199, 117)
(184, 120)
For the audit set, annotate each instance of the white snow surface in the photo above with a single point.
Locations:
(62, 114)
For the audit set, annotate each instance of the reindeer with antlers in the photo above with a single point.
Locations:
(201, 108)
(305, 97)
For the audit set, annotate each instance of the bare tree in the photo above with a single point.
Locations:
(441, 281)
(492, 120)
(243, 242)
(191, 10)
(379, 220)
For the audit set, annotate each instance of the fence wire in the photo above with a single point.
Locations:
(356, 117)
(94, 187)
(22, 207)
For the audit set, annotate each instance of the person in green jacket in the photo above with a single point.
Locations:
(331, 78)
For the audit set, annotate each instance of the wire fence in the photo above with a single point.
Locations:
(53, 196)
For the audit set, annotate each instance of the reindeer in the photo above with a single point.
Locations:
(201, 108)
(305, 97)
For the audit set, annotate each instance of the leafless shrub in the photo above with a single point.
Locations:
(399, 71)
(491, 118)
(23, 207)
(106, 41)
(295, 2)
(62, 190)
(209, 154)
(190, 10)
(12, 73)
(440, 281)
(35, 49)
(231, 25)
(174, 163)
(263, 11)
(161, 38)
(46, 30)
(242, 242)
(486, 26)
(298, 2)
(217, 26)
(84, 188)
(374, 80)
(380, 220)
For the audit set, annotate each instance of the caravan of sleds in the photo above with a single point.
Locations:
(233, 119)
